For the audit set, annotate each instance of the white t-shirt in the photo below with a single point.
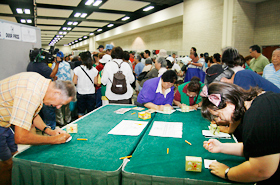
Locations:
(161, 71)
(108, 72)
(84, 85)
(176, 67)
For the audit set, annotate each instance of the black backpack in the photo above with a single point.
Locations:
(142, 75)
(119, 82)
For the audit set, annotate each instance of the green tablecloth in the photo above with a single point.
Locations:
(150, 163)
(95, 161)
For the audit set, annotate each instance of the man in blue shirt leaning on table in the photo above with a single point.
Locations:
(158, 92)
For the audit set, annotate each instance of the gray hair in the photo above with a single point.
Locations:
(277, 49)
(148, 61)
(162, 61)
(67, 88)
(138, 57)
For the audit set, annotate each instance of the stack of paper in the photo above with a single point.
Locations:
(167, 129)
(208, 134)
(129, 127)
(122, 110)
(173, 110)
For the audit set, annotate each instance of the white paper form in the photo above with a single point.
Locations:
(129, 128)
(167, 129)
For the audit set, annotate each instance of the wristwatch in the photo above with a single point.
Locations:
(45, 129)
(226, 173)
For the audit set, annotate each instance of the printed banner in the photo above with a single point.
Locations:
(1, 30)
(28, 34)
(11, 31)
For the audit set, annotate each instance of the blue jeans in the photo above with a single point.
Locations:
(98, 101)
(7, 143)
(49, 116)
(85, 102)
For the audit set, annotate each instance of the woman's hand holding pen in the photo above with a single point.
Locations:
(212, 145)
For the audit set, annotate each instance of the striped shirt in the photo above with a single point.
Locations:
(271, 75)
(21, 98)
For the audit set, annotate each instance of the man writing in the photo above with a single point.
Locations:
(21, 98)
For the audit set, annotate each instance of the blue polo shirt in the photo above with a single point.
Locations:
(271, 75)
(138, 68)
(248, 78)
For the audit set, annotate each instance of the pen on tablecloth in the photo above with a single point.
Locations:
(126, 157)
(133, 113)
(167, 151)
(188, 142)
(82, 139)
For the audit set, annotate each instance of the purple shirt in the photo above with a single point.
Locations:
(148, 93)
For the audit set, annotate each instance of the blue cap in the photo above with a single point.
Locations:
(60, 54)
(109, 46)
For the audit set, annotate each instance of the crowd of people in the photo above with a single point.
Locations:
(240, 94)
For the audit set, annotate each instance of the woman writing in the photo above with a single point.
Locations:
(188, 93)
(258, 112)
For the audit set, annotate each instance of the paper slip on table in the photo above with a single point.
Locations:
(150, 163)
(92, 161)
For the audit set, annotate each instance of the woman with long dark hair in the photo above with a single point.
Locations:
(258, 113)
(85, 76)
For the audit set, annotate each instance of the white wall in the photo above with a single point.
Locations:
(202, 25)
(267, 27)
(15, 54)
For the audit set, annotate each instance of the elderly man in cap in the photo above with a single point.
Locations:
(100, 48)
(21, 98)
(108, 49)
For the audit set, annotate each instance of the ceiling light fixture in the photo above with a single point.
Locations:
(26, 11)
(77, 14)
(64, 33)
(19, 10)
(76, 41)
(97, 3)
(29, 21)
(22, 21)
(85, 37)
(70, 23)
(75, 23)
(89, 2)
(110, 25)
(64, 28)
(148, 8)
(99, 30)
(60, 32)
(84, 15)
(80, 39)
(69, 28)
(125, 18)
(91, 34)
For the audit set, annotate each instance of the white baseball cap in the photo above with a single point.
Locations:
(106, 58)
